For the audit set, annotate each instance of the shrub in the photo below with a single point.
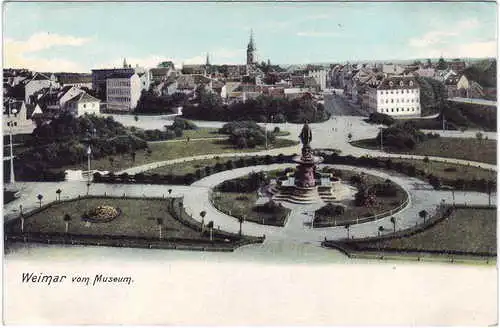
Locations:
(276, 129)
(183, 124)
(379, 118)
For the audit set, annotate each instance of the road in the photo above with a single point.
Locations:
(476, 101)
(339, 106)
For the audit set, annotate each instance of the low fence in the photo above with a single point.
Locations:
(366, 219)
(222, 241)
(179, 212)
(356, 249)
(216, 206)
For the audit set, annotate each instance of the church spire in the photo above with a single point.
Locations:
(251, 50)
(207, 63)
(125, 63)
(251, 45)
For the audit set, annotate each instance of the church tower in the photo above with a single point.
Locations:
(251, 58)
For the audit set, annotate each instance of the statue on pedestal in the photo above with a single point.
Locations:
(306, 135)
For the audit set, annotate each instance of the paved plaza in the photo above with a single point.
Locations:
(330, 134)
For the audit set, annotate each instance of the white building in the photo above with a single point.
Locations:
(320, 77)
(396, 96)
(123, 91)
(83, 104)
(68, 93)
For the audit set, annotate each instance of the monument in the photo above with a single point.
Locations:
(305, 185)
(305, 176)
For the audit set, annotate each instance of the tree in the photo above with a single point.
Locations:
(441, 65)
(181, 204)
(202, 214)
(393, 221)
(210, 226)
(159, 221)
(40, 197)
(22, 222)
(380, 230)
(347, 227)
(479, 136)
(489, 187)
(67, 219)
(58, 192)
(241, 219)
(423, 214)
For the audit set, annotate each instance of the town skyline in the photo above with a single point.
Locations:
(307, 33)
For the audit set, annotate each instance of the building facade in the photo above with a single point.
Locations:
(83, 104)
(123, 91)
(396, 96)
(320, 76)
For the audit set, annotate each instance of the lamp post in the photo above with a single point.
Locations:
(11, 124)
(89, 152)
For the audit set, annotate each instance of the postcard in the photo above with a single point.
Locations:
(250, 163)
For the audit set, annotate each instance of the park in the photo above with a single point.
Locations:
(214, 188)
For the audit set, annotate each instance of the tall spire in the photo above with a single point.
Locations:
(251, 50)
(251, 45)
(125, 63)
(208, 60)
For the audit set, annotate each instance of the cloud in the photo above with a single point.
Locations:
(431, 38)
(22, 54)
(450, 42)
(478, 49)
(313, 34)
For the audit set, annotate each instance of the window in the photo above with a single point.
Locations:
(392, 110)
(401, 83)
(392, 100)
(411, 83)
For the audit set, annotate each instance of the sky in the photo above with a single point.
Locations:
(76, 36)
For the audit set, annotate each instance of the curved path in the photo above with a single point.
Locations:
(196, 199)
(422, 196)
(330, 134)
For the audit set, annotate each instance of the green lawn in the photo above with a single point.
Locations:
(448, 170)
(461, 148)
(243, 205)
(353, 212)
(162, 151)
(190, 166)
(202, 133)
(466, 230)
(138, 219)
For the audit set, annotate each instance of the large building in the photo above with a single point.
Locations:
(123, 91)
(396, 96)
(99, 77)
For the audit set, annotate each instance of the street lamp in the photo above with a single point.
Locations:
(89, 152)
(11, 124)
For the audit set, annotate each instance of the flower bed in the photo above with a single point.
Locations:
(101, 214)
